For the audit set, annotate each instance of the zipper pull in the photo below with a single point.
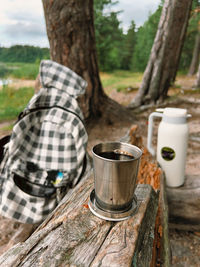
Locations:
(59, 178)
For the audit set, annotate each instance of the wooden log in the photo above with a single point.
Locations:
(73, 236)
(184, 205)
(150, 173)
(164, 250)
(130, 242)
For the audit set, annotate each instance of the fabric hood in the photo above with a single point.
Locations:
(53, 74)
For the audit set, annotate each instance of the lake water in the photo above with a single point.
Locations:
(5, 82)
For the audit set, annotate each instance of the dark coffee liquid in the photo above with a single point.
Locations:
(115, 156)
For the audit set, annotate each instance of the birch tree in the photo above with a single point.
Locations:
(163, 63)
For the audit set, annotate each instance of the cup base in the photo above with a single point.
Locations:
(111, 216)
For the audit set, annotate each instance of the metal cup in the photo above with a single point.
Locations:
(115, 175)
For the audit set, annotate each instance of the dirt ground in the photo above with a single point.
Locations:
(185, 246)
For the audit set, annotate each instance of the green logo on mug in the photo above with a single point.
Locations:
(167, 153)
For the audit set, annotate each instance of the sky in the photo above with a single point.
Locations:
(22, 21)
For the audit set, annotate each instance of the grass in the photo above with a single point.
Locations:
(13, 101)
(120, 80)
(27, 71)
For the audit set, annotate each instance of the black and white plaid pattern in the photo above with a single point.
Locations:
(43, 140)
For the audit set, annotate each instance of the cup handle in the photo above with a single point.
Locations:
(150, 131)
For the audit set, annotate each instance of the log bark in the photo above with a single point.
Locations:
(184, 203)
(73, 236)
(150, 173)
(165, 54)
(165, 248)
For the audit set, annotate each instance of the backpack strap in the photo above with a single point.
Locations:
(83, 169)
(3, 141)
(29, 111)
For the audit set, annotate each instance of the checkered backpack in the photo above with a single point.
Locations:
(46, 154)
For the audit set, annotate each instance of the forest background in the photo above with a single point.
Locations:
(122, 59)
(117, 50)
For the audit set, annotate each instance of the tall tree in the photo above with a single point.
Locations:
(196, 50)
(165, 54)
(195, 56)
(188, 51)
(70, 30)
(197, 83)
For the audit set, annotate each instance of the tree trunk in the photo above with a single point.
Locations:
(197, 84)
(71, 35)
(195, 56)
(165, 54)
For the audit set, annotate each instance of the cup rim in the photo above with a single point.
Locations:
(117, 144)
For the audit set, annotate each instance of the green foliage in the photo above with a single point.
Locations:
(115, 49)
(128, 47)
(4, 71)
(131, 51)
(145, 38)
(25, 71)
(13, 101)
(19, 70)
(146, 34)
(23, 53)
(192, 31)
(109, 36)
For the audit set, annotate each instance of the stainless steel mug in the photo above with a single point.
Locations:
(116, 167)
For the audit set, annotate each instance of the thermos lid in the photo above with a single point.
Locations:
(175, 112)
(175, 115)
